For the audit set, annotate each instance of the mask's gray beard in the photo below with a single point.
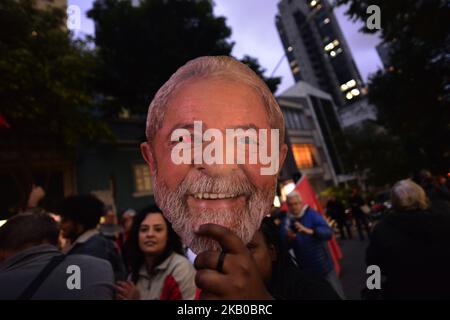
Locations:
(243, 222)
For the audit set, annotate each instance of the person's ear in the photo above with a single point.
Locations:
(282, 156)
(147, 154)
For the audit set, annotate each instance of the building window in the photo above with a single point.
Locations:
(304, 156)
(331, 45)
(292, 119)
(142, 180)
(348, 85)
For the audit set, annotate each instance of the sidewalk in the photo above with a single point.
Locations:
(353, 267)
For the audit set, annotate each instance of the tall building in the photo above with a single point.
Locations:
(316, 49)
(383, 50)
(312, 131)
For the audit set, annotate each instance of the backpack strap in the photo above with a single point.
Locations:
(29, 292)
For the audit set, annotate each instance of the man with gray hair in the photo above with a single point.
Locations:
(305, 231)
(216, 200)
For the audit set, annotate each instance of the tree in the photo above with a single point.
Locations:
(412, 94)
(46, 76)
(139, 47)
(45, 89)
(253, 64)
(374, 154)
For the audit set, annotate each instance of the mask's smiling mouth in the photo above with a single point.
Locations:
(214, 196)
(216, 200)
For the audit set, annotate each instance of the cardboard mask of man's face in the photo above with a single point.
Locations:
(235, 195)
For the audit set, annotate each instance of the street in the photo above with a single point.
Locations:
(353, 272)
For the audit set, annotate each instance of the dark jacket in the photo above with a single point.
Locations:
(412, 250)
(356, 202)
(18, 271)
(311, 251)
(97, 245)
(335, 210)
(290, 283)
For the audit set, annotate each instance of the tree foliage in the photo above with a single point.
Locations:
(412, 93)
(139, 47)
(45, 83)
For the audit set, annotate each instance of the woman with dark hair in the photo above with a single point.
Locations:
(279, 271)
(155, 257)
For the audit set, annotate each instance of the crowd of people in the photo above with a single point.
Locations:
(37, 247)
(356, 213)
(411, 244)
(142, 257)
(220, 212)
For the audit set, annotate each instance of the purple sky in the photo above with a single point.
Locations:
(254, 33)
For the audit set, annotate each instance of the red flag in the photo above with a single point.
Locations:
(308, 195)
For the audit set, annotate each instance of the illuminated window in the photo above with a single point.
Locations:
(349, 96)
(142, 179)
(290, 49)
(351, 83)
(304, 156)
(331, 45)
(326, 20)
(295, 70)
(355, 92)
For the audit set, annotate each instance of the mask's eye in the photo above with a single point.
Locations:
(187, 138)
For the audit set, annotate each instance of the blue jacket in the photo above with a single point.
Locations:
(311, 251)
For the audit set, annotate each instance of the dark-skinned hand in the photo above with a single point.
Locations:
(239, 279)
